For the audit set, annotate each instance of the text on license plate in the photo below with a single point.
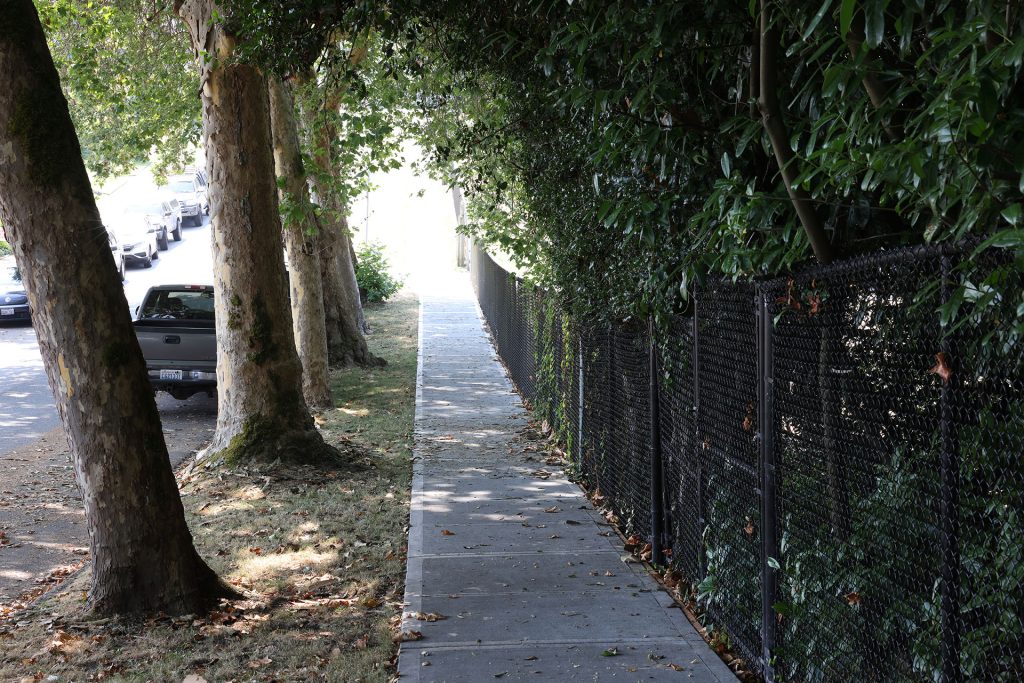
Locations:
(171, 374)
(6, 310)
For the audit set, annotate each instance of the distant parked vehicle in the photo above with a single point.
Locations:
(176, 330)
(118, 253)
(162, 217)
(138, 244)
(13, 297)
(190, 190)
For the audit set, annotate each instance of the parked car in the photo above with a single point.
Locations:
(138, 244)
(13, 297)
(190, 191)
(118, 253)
(161, 216)
(175, 326)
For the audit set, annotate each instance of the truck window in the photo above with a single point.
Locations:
(178, 305)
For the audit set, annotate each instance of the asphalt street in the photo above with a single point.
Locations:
(27, 409)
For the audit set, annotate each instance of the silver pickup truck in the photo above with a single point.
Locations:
(175, 327)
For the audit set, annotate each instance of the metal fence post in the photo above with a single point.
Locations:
(769, 508)
(697, 444)
(579, 431)
(949, 474)
(657, 485)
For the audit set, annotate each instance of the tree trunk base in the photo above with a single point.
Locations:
(265, 440)
(341, 356)
(186, 587)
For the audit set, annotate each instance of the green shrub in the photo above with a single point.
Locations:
(375, 282)
(5, 249)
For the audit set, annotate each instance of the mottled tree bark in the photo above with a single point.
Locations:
(143, 556)
(300, 236)
(346, 344)
(261, 411)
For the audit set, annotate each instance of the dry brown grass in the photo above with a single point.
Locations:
(320, 554)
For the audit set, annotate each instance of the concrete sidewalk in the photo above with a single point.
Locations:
(526, 573)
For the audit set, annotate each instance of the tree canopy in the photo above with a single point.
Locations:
(126, 71)
(618, 149)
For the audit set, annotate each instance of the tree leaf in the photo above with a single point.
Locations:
(846, 16)
(816, 19)
(1012, 214)
(874, 23)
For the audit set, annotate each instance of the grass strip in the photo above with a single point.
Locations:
(319, 553)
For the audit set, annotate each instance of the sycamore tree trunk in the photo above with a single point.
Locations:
(348, 264)
(261, 412)
(300, 236)
(346, 343)
(142, 551)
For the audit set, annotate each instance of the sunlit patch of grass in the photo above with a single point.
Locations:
(320, 554)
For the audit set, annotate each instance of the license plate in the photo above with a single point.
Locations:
(171, 374)
(7, 310)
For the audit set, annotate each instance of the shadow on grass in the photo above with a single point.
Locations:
(319, 552)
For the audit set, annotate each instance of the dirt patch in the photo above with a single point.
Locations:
(43, 536)
(42, 527)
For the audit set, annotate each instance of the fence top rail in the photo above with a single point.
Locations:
(860, 262)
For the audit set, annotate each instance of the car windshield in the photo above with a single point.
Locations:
(180, 186)
(178, 305)
(148, 209)
(133, 232)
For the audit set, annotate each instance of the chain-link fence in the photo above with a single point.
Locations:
(833, 461)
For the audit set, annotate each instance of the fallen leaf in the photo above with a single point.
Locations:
(611, 652)
(66, 644)
(675, 667)
(408, 636)
(531, 658)
(942, 367)
(260, 663)
(427, 616)
(193, 678)
(553, 508)
(361, 643)
(748, 419)
(446, 532)
(853, 598)
(749, 528)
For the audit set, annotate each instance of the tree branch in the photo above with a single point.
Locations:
(775, 127)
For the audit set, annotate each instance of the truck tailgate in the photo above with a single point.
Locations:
(177, 346)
